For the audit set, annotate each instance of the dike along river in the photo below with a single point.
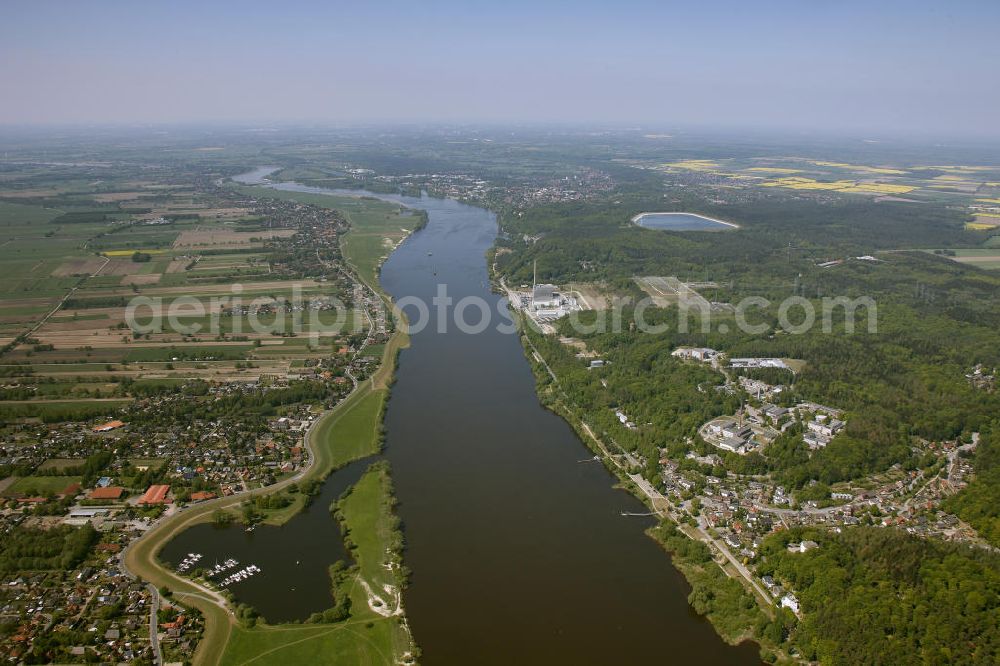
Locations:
(518, 551)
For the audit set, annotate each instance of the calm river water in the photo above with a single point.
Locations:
(518, 550)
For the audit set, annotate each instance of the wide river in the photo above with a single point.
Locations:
(519, 551)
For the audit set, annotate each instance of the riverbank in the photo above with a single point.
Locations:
(719, 591)
(500, 516)
(337, 424)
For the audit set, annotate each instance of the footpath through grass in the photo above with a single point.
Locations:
(349, 642)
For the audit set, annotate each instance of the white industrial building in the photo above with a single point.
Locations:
(703, 354)
(545, 297)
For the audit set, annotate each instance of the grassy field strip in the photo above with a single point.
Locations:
(318, 646)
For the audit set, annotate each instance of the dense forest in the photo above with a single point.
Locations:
(59, 548)
(881, 596)
(978, 503)
(884, 388)
(779, 237)
(901, 381)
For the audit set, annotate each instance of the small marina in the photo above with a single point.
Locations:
(242, 574)
(263, 567)
(188, 562)
(187, 565)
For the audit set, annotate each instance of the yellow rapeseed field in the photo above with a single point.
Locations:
(846, 186)
(693, 165)
(879, 188)
(859, 167)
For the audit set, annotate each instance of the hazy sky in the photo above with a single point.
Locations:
(928, 67)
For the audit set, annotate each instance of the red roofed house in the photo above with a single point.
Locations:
(176, 628)
(155, 495)
(106, 427)
(109, 493)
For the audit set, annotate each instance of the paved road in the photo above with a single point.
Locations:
(154, 638)
(703, 530)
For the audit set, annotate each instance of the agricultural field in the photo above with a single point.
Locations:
(138, 302)
(377, 227)
(971, 192)
(209, 300)
(985, 258)
(216, 238)
(971, 185)
(60, 464)
(40, 485)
